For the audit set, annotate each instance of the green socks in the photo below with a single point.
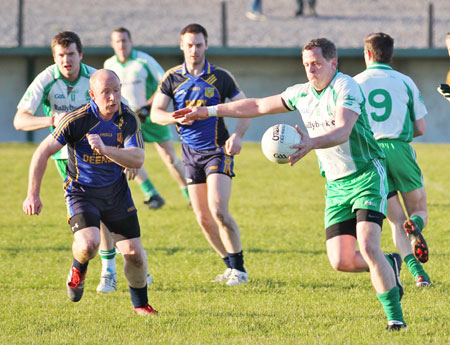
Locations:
(184, 191)
(419, 221)
(148, 188)
(391, 304)
(415, 267)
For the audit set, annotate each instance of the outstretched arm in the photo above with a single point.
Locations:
(32, 204)
(245, 108)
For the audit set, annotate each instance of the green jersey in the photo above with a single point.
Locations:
(139, 75)
(318, 112)
(393, 104)
(57, 95)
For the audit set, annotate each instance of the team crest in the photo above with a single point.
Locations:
(209, 92)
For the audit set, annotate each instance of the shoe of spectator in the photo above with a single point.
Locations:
(255, 16)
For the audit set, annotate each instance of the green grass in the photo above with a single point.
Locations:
(293, 296)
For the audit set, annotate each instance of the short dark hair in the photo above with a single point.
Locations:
(124, 31)
(65, 39)
(328, 48)
(381, 46)
(195, 29)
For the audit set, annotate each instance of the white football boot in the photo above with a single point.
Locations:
(222, 278)
(108, 282)
(237, 278)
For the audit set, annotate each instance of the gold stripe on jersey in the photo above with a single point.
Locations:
(166, 75)
(181, 84)
(67, 119)
(211, 79)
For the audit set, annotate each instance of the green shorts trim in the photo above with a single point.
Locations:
(154, 133)
(61, 166)
(403, 171)
(366, 189)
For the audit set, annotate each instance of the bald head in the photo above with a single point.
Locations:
(101, 76)
(105, 92)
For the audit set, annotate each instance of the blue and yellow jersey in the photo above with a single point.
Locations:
(85, 166)
(212, 87)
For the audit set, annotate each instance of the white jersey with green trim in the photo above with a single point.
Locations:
(139, 75)
(318, 112)
(57, 95)
(393, 104)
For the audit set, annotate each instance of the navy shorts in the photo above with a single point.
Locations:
(112, 205)
(198, 164)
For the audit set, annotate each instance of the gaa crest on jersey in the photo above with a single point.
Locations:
(209, 92)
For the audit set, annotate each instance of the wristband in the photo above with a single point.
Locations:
(53, 121)
(212, 110)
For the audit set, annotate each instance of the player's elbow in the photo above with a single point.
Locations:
(139, 163)
(419, 132)
(18, 124)
(419, 128)
(155, 118)
(139, 160)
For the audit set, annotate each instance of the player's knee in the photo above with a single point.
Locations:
(342, 264)
(221, 216)
(369, 250)
(88, 249)
(206, 222)
(135, 258)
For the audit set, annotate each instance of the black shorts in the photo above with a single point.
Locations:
(348, 227)
(198, 164)
(128, 227)
(112, 205)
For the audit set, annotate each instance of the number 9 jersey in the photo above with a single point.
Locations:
(393, 102)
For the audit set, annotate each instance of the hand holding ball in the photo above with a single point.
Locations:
(276, 143)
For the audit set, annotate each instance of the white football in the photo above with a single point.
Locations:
(276, 143)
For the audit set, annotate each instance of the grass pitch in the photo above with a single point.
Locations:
(293, 296)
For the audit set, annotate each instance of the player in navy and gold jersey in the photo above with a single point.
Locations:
(207, 147)
(103, 137)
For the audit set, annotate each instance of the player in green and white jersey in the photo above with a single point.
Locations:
(140, 75)
(332, 107)
(60, 89)
(396, 115)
